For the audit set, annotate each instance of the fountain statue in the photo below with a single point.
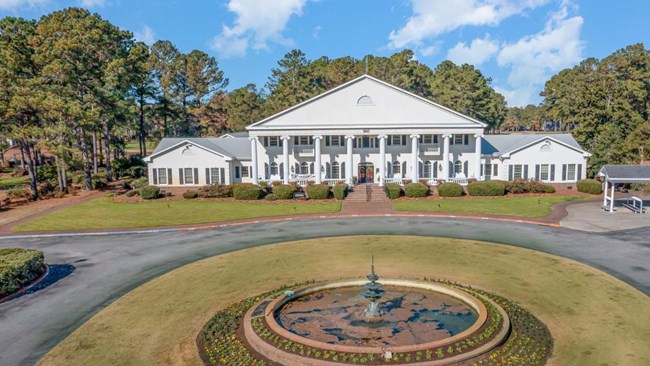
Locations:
(373, 293)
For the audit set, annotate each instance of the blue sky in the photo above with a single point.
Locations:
(518, 43)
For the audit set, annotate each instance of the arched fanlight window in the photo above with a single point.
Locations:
(274, 169)
(304, 167)
(458, 167)
(365, 100)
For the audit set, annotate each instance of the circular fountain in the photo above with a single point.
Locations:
(396, 321)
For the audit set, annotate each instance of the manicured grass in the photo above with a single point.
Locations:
(514, 206)
(103, 213)
(135, 146)
(8, 182)
(595, 319)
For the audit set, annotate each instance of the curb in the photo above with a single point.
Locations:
(27, 288)
(270, 220)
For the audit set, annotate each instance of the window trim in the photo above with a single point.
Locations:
(194, 179)
(514, 171)
(541, 172)
(163, 170)
(575, 172)
(212, 175)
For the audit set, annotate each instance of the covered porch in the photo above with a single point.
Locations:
(614, 175)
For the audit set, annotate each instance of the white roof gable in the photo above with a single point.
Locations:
(366, 102)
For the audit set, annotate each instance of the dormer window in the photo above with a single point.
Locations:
(365, 101)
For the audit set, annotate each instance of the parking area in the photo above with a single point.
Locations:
(591, 217)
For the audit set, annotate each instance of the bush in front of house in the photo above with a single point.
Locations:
(518, 186)
(487, 188)
(318, 191)
(215, 191)
(393, 190)
(190, 195)
(450, 190)
(247, 191)
(284, 191)
(19, 267)
(416, 190)
(139, 183)
(271, 197)
(549, 188)
(150, 192)
(340, 190)
(132, 193)
(590, 186)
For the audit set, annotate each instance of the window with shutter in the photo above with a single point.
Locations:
(155, 176)
(525, 171)
(511, 173)
(207, 175)
(222, 175)
(466, 139)
(237, 172)
(552, 172)
(579, 172)
(343, 173)
(536, 171)
(495, 170)
(181, 176)
(170, 180)
(563, 172)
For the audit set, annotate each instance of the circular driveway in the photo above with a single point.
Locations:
(102, 268)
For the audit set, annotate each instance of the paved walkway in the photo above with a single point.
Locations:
(591, 217)
(107, 267)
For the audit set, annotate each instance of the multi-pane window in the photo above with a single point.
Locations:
(274, 141)
(274, 169)
(518, 171)
(397, 168)
(571, 172)
(397, 140)
(458, 139)
(458, 167)
(336, 171)
(335, 141)
(245, 172)
(304, 168)
(428, 139)
(215, 177)
(487, 170)
(188, 174)
(427, 169)
(162, 176)
(544, 172)
(303, 140)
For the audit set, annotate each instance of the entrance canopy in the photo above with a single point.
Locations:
(622, 174)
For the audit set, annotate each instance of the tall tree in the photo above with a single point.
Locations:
(142, 89)
(290, 83)
(243, 106)
(163, 65)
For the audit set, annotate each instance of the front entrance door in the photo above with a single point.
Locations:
(366, 173)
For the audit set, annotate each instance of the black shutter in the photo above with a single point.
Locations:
(466, 139)
(155, 176)
(267, 171)
(266, 141)
(295, 140)
(495, 170)
(404, 140)
(196, 176)
(579, 176)
(169, 177)
(552, 172)
(207, 175)
(222, 175)
(525, 171)
(237, 172)
(327, 141)
(435, 170)
(389, 141)
(466, 168)
(510, 172)
(342, 170)
(281, 170)
(435, 139)
(451, 140)
(536, 171)
(481, 174)
(181, 177)
(563, 172)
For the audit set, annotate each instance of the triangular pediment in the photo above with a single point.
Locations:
(366, 102)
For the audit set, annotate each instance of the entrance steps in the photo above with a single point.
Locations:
(367, 193)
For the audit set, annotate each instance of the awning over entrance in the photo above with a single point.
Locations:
(622, 174)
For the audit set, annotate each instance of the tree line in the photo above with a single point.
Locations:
(79, 87)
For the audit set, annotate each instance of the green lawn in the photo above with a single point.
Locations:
(103, 213)
(513, 206)
(135, 146)
(8, 182)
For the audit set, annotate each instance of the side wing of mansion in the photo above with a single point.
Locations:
(366, 131)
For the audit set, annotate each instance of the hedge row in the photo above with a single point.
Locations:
(318, 191)
(590, 186)
(19, 267)
(487, 188)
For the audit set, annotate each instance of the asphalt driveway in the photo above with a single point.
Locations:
(96, 270)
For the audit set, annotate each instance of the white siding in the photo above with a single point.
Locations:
(188, 156)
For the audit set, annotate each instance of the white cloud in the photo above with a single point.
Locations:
(257, 23)
(534, 59)
(146, 35)
(432, 18)
(479, 51)
(15, 4)
(93, 3)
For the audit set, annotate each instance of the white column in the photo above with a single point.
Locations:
(285, 158)
(317, 167)
(348, 165)
(255, 174)
(445, 156)
(605, 193)
(382, 159)
(477, 157)
(414, 158)
(611, 199)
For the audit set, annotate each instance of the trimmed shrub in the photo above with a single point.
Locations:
(215, 191)
(450, 190)
(132, 193)
(247, 191)
(318, 191)
(525, 186)
(549, 188)
(284, 191)
(340, 190)
(416, 190)
(19, 193)
(590, 186)
(271, 197)
(393, 190)
(190, 195)
(150, 192)
(487, 188)
(140, 182)
(19, 267)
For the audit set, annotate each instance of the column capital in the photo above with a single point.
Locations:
(253, 138)
(382, 137)
(285, 137)
(446, 135)
(414, 136)
(317, 137)
(349, 137)
(478, 135)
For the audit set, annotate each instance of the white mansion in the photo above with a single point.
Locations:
(366, 131)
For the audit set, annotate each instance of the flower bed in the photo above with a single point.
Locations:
(529, 342)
